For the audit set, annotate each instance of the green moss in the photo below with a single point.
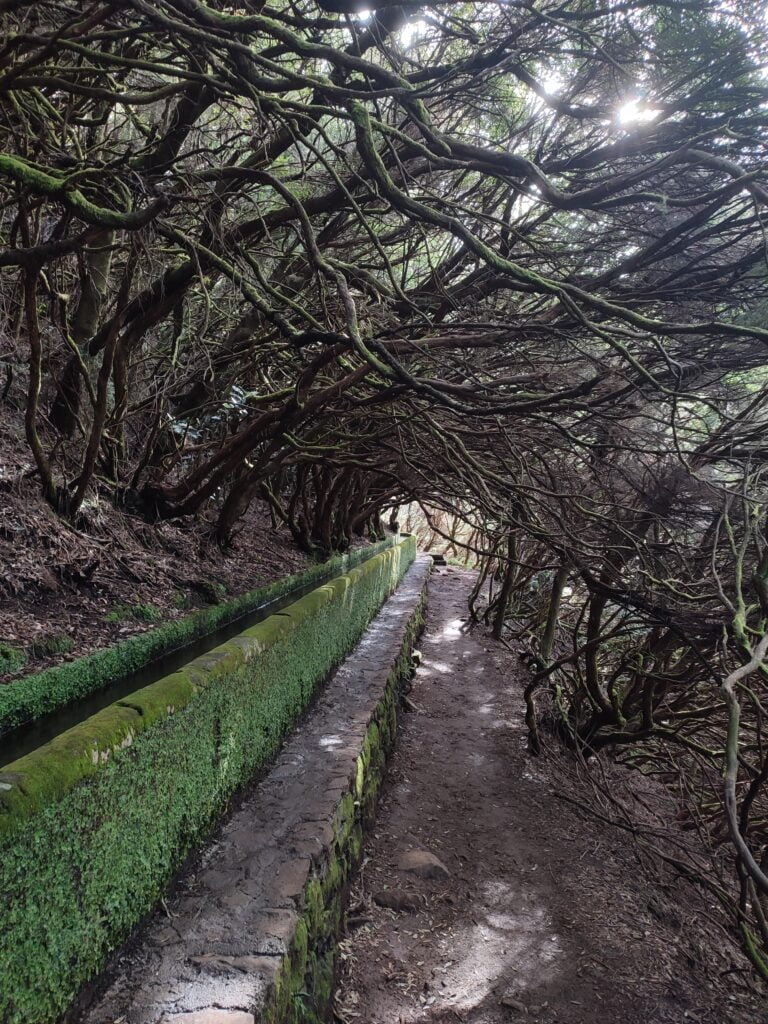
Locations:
(54, 643)
(314, 906)
(61, 189)
(135, 612)
(93, 826)
(37, 780)
(162, 698)
(210, 591)
(39, 694)
(11, 658)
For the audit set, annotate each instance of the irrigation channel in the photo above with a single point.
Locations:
(36, 733)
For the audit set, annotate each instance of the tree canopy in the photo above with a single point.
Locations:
(506, 259)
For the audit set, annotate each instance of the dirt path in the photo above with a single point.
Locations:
(543, 918)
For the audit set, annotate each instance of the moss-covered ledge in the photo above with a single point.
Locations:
(93, 825)
(302, 989)
(44, 775)
(250, 933)
(41, 693)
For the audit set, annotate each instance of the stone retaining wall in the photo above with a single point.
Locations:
(250, 933)
(93, 825)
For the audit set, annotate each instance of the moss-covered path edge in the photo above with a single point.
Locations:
(94, 824)
(250, 932)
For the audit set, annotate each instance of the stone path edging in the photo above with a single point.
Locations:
(250, 933)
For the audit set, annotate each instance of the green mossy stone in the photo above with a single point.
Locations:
(163, 698)
(47, 773)
(110, 809)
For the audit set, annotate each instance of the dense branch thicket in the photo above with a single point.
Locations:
(505, 259)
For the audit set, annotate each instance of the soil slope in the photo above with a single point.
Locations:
(66, 590)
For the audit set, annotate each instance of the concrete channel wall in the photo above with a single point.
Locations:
(94, 824)
(47, 692)
(249, 934)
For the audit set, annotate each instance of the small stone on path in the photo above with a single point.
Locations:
(424, 864)
(393, 899)
(513, 1003)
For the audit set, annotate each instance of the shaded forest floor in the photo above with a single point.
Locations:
(545, 916)
(66, 591)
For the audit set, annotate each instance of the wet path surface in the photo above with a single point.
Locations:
(542, 917)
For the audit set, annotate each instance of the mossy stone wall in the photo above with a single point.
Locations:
(24, 700)
(303, 992)
(93, 825)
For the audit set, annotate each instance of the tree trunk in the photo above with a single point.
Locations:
(553, 613)
(65, 409)
(506, 587)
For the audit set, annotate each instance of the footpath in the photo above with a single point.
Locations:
(485, 898)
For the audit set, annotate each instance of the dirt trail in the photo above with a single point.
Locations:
(544, 917)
